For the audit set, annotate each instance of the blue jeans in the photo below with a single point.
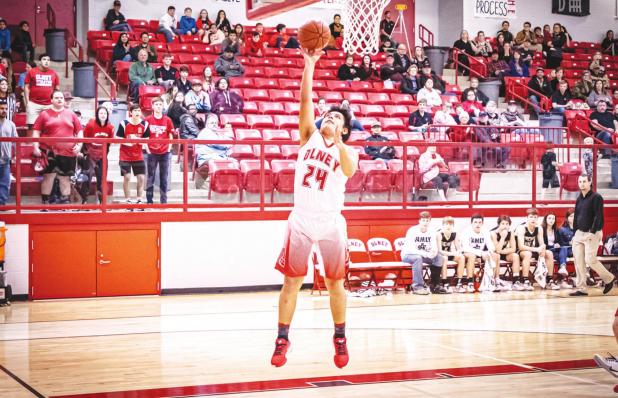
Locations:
(169, 34)
(124, 27)
(5, 180)
(417, 262)
(535, 103)
(163, 163)
(561, 253)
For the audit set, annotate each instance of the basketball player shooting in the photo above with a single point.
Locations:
(323, 166)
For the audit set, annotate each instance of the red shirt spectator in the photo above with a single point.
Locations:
(255, 44)
(93, 130)
(160, 128)
(64, 123)
(126, 129)
(41, 84)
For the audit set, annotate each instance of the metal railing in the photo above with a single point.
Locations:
(471, 60)
(425, 36)
(51, 17)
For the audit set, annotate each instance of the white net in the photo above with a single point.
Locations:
(361, 21)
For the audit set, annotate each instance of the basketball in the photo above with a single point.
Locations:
(314, 35)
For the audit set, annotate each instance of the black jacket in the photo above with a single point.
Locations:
(402, 62)
(589, 213)
(111, 17)
(22, 41)
(438, 83)
(543, 87)
(480, 96)
(346, 72)
(409, 85)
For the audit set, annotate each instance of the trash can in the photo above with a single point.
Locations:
(83, 79)
(437, 58)
(491, 88)
(614, 172)
(552, 120)
(55, 44)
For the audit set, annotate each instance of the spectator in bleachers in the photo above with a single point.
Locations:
(5, 39)
(7, 151)
(508, 36)
(419, 57)
(188, 24)
(166, 74)
(225, 101)
(568, 36)
(598, 93)
(203, 23)
(206, 152)
(427, 73)
(348, 70)
(462, 132)
(22, 43)
(420, 119)
(98, 127)
(527, 53)
(555, 47)
(232, 41)
(603, 125)
(518, 67)
(222, 23)
(345, 105)
(57, 121)
(598, 73)
(7, 65)
(177, 108)
(531, 245)
(504, 244)
(122, 49)
(140, 73)
(387, 47)
(492, 113)
(158, 154)
(280, 39)
(527, 35)
(198, 97)
(474, 87)
(547, 35)
(615, 97)
(540, 38)
(40, 84)
(505, 53)
(565, 238)
(182, 83)
(472, 105)
(489, 133)
(483, 48)
(410, 84)
(168, 97)
(12, 105)
(434, 169)
(511, 117)
(388, 71)
(114, 20)
(597, 60)
(500, 42)
(215, 36)
(588, 157)
(583, 87)
(561, 99)
(496, 66)
(467, 48)
(549, 162)
(168, 23)
(609, 45)
(540, 84)
(429, 94)
(21, 81)
(367, 69)
(131, 158)
(556, 76)
(256, 45)
(189, 123)
(336, 33)
(208, 84)
(145, 45)
(402, 60)
(444, 117)
(227, 65)
(240, 33)
(384, 152)
(386, 27)
(421, 247)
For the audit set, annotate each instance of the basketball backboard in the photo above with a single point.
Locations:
(259, 9)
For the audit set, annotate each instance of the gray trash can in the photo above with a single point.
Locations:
(55, 45)
(552, 120)
(491, 88)
(437, 58)
(83, 79)
(614, 172)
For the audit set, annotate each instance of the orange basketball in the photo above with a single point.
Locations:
(314, 35)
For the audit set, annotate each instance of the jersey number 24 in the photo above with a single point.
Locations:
(318, 174)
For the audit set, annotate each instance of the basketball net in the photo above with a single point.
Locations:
(361, 20)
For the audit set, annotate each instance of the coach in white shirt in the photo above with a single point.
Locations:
(421, 247)
(168, 23)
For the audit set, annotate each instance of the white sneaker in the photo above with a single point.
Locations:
(518, 286)
(470, 287)
(552, 286)
(528, 287)
(610, 363)
(423, 291)
(563, 271)
(565, 285)
(460, 289)
(448, 288)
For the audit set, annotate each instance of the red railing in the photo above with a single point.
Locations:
(70, 44)
(425, 36)
(460, 155)
(544, 102)
(472, 60)
(112, 93)
(51, 17)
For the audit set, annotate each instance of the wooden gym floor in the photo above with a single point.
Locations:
(514, 344)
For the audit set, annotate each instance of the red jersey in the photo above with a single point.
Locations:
(93, 130)
(132, 152)
(58, 124)
(160, 128)
(41, 85)
(254, 47)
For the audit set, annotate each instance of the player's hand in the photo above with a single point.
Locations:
(311, 56)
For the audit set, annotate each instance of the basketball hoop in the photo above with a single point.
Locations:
(361, 19)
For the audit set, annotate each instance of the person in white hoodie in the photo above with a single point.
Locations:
(475, 244)
(421, 247)
(168, 24)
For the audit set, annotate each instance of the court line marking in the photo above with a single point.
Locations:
(22, 382)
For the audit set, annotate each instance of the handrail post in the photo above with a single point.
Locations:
(185, 176)
(533, 165)
(17, 177)
(95, 71)
(262, 175)
(66, 53)
(104, 178)
(470, 170)
(404, 190)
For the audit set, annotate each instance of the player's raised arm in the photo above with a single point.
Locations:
(306, 119)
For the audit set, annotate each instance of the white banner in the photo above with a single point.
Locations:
(495, 8)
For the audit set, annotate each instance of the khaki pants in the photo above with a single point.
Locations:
(585, 247)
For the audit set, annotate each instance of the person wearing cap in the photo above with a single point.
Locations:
(114, 20)
(227, 65)
(383, 152)
(497, 67)
(427, 73)
(389, 71)
(7, 150)
(538, 84)
(140, 73)
(198, 97)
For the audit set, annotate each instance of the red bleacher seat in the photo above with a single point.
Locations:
(153, 24)
(324, 74)
(379, 99)
(272, 134)
(242, 82)
(277, 72)
(289, 84)
(281, 95)
(225, 176)
(292, 108)
(190, 59)
(328, 64)
(393, 123)
(254, 71)
(292, 53)
(377, 176)
(283, 170)
(402, 99)
(397, 110)
(271, 108)
(195, 69)
(295, 134)
(248, 134)
(356, 97)
(569, 174)
(396, 168)
(288, 63)
(270, 152)
(286, 121)
(331, 97)
(242, 151)
(335, 55)
(151, 91)
(256, 121)
(140, 24)
(185, 39)
(237, 121)
(367, 122)
(176, 48)
(361, 86)
(319, 85)
(250, 108)
(272, 52)
(289, 151)
(354, 185)
(372, 110)
(338, 85)
(255, 94)
(161, 48)
(358, 136)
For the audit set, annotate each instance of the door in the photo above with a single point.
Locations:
(127, 262)
(35, 13)
(63, 264)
